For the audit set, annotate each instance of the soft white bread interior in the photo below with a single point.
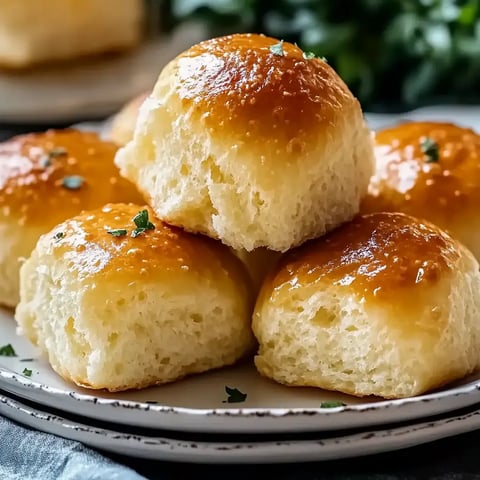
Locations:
(46, 178)
(247, 141)
(123, 123)
(429, 170)
(258, 263)
(48, 30)
(385, 305)
(123, 312)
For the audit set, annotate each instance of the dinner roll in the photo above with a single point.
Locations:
(44, 179)
(119, 300)
(123, 123)
(48, 30)
(249, 140)
(431, 171)
(385, 305)
(258, 263)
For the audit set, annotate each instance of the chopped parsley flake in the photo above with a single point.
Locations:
(58, 236)
(57, 152)
(142, 222)
(277, 49)
(430, 149)
(45, 161)
(137, 232)
(119, 232)
(310, 55)
(234, 395)
(72, 182)
(27, 372)
(332, 404)
(7, 351)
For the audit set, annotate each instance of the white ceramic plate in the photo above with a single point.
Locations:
(197, 403)
(294, 449)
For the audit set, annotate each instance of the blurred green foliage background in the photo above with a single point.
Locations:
(394, 54)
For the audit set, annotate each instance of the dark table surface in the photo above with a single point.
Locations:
(456, 458)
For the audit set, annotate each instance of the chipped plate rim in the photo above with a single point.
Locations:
(248, 451)
(242, 420)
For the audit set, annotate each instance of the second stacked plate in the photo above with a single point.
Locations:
(191, 420)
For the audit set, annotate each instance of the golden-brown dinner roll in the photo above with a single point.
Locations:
(120, 310)
(248, 141)
(44, 179)
(385, 305)
(48, 30)
(123, 124)
(430, 171)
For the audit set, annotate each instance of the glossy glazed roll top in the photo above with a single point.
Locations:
(258, 89)
(47, 177)
(120, 300)
(430, 171)
(376, 256)
(107, 243)
(385, 305)
(251, 141)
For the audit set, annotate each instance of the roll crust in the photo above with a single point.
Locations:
(118, 311)
(237, 85)
(375, 256)
(445, 191)
(44, 179)
(246, 141)
(385, 305)
(123, 124)
(47, 177)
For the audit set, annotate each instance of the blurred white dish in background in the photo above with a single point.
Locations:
(33, 33)
(91, 88)
(462, 115)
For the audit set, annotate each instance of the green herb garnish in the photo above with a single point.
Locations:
(310, 55)
(57, 152)
(430, 149)
(332, 404)
(277, 49)
(142, 222)
(119, 232)
(234, 395)
(27, 372)
(72, 182)
(7, 351)
(45, 161)
(58, 236)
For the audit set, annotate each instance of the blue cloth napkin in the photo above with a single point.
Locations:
(29, 455)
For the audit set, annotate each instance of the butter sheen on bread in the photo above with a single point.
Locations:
(44, 179)
(119, 313)
(442, 186)
(250, 147)
(385, 305)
